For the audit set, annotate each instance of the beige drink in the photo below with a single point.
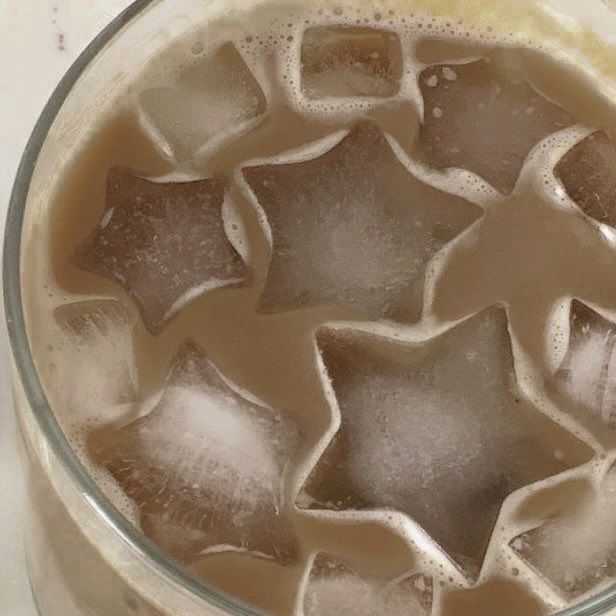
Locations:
(329, 311)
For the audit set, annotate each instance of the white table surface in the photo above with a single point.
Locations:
(39, 39)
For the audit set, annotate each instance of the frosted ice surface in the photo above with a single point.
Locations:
(353, 227)
(339, 62)
(163, 242)
(206, 467)
(438, 431)
(588, 174)
(214, 95)
(95, 359)
(334, 589)
(576, 551)
(482, 119)
(587, 376)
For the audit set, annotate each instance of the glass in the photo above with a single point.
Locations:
(83, 556)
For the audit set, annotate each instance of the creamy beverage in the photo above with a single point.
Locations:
(325, 303)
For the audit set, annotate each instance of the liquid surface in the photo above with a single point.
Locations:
(330, 311)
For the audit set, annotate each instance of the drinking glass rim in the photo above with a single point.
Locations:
(24, 362)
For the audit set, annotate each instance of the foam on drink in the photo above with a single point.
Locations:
(248, 104)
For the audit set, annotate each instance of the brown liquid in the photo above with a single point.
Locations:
(526, 249)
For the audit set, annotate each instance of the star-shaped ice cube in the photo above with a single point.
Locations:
(353, 226)
(206, 466)
(439, 431)
(164, 242)
(484, 117)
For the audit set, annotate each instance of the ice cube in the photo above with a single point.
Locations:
(438, 430)
(479, 118)
(206, 466)
(588, 174)
(216, 94)
(163, 242)
(340, 62)
(334, 589)
(575, 552)
(498, 596)
(353, 227)
(587, 376)
(94, 360)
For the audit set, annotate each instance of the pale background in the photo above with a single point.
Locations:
(39, 39)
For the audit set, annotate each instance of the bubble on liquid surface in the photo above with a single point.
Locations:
(588, 174)
(164, 243)
(480, 118)
(587, 375)
(206, 466)
(353, 227)
(342, 62)
(334, 589)
(439, 431)
(575, 552)
(215, 94)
